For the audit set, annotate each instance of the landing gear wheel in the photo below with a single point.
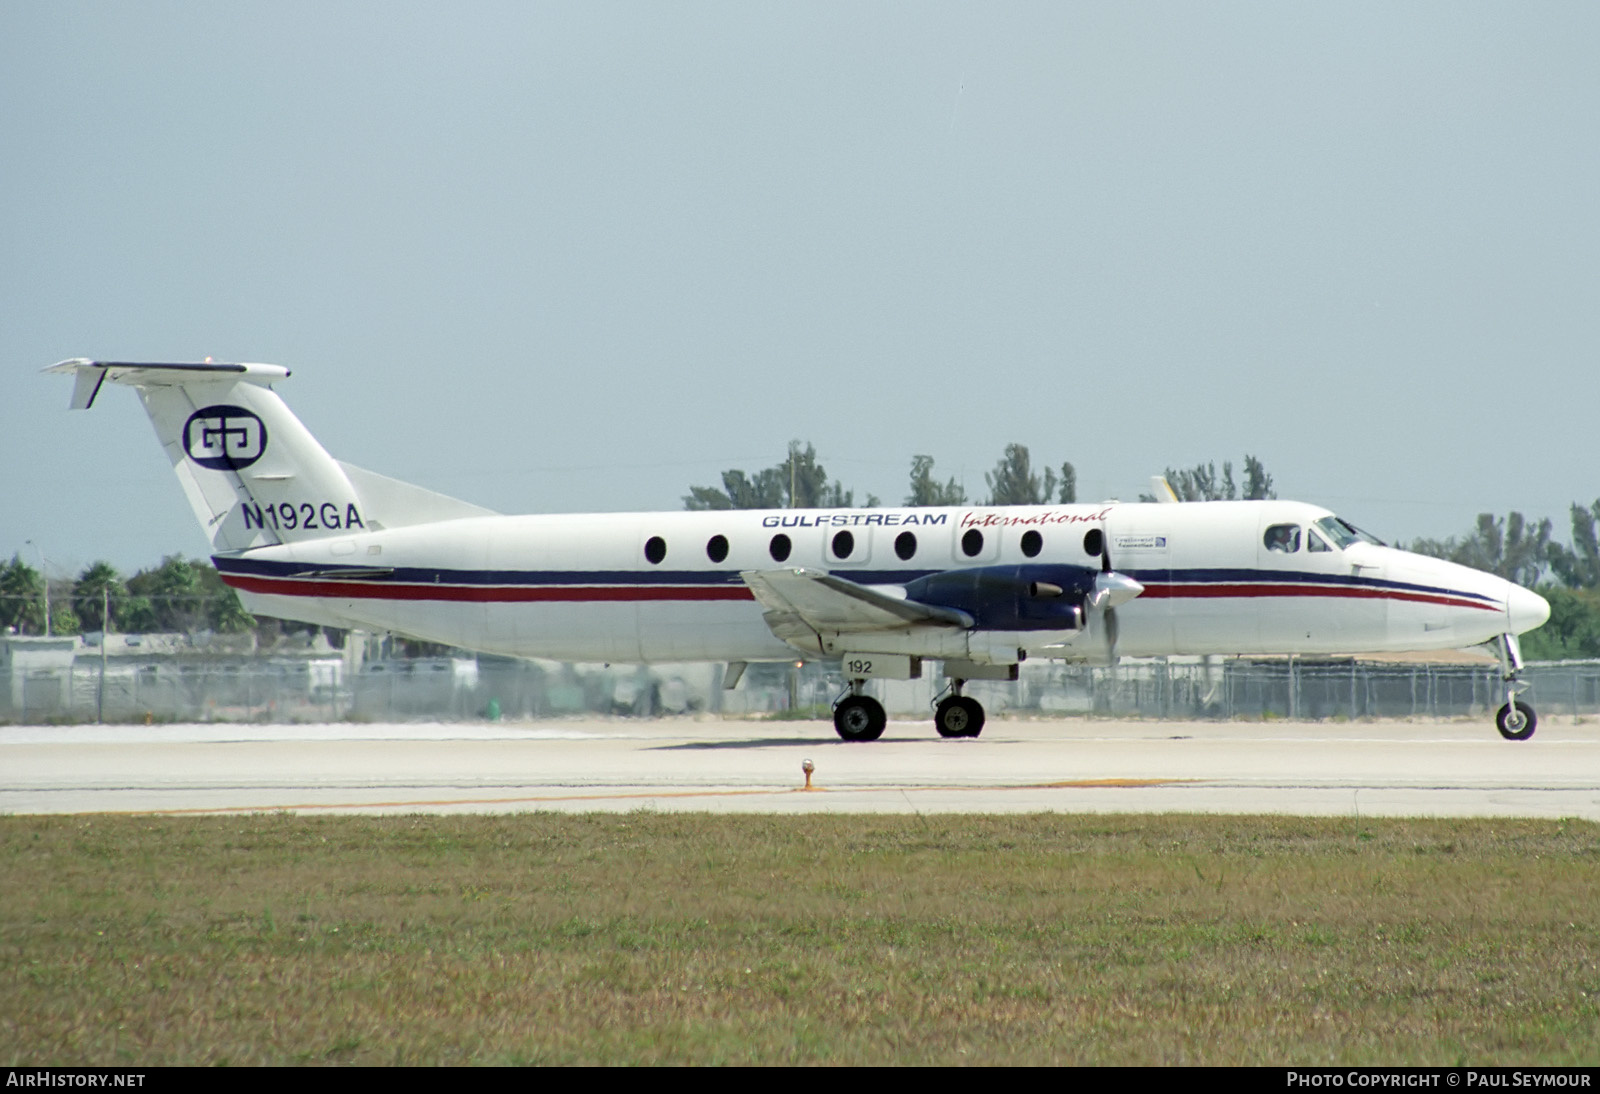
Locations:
(959, 716)
(1516, 725)
(859, 718)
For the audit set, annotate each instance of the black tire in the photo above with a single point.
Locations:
(959, 716)
(1518, 727)
(859, 718)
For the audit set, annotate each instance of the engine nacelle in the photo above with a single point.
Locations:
(1012, 598)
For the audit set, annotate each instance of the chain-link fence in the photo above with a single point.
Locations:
(319, 690)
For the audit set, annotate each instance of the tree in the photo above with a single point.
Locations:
(1578, 567)
(811, 489)
(63, 620)
(925, 490)
(1069, 484)
(97, 587)
(1511, 548)
(799, 482)
(739, 491)
(1257, 483)
(224, 613)
(179, 595)
(1201, 482)
(138, 615)
(1012, 482)
(22, 592)
(173, 591)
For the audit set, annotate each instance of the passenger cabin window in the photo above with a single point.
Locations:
(843, 544)
(972, 543)
(717, 548)
(780, 547)
(1283, 537)
(655, 549)
(905, 545)
(1094, 542)
(1032, 543)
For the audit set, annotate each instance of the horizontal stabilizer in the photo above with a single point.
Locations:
(90, 375)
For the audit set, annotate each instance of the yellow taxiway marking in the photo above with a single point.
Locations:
(1073, 784)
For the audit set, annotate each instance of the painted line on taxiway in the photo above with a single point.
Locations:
(1076, 784)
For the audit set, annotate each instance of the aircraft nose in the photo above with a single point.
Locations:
(1526, 608)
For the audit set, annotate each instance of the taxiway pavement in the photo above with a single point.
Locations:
(1074, 765)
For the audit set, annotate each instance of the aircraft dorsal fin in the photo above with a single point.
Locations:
(397, 504)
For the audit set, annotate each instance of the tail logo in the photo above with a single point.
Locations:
(224, 438)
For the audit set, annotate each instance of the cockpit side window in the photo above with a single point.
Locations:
(1342, 533)
(1361, 534)
(1283, 537)
(1315, 542)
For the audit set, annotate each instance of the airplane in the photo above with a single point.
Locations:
(880, 591)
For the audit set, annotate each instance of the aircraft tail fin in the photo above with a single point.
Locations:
(254, 475)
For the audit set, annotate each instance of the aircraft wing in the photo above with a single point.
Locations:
(800, 601)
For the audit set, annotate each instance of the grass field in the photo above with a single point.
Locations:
(676, 938)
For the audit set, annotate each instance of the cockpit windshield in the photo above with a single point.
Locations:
(1343, 533)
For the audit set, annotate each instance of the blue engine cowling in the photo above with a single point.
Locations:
(1011, 598)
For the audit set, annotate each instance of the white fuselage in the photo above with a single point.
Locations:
(586, 587)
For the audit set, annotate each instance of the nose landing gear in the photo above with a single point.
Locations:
(1516, 720)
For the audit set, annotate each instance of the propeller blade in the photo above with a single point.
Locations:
(1111, 589)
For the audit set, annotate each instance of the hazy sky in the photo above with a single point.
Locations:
(583, 255)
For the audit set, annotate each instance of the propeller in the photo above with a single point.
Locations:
(1110, 590)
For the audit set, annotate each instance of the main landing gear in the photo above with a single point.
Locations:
(958, 715)
(1516, 720)
(858, 717)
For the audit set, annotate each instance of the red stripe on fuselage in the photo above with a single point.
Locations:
(483, 594)
(1164, 592)
(524, 594)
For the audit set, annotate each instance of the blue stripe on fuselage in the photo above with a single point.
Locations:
(1292, 577)
(412, 575)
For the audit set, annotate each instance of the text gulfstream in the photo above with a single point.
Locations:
(834, 520)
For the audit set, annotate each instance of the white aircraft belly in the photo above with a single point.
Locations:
(597, 630)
